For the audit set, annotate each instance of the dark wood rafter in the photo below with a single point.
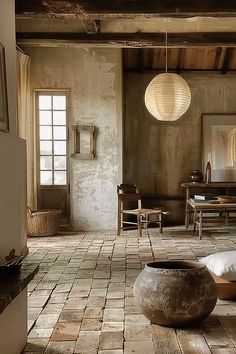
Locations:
(128, 40)
(181, 57)
(227, 59)
(217, 58)
(127, 8)
(188, 70)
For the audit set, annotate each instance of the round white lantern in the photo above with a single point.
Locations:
(167, 97)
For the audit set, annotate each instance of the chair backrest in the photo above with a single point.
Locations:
(128, 193)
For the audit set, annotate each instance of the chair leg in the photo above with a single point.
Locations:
(119, 220)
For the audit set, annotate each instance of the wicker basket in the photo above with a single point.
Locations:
(43, 223)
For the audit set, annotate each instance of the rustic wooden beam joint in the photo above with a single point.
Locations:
(91, 26)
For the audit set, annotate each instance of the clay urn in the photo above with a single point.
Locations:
(195, 176)
(175, 293)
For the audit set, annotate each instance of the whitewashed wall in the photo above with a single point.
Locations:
(12, 148)
(94, 78)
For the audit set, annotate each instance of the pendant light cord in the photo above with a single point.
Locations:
(166, 45)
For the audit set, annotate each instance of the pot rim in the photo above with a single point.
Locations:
(184, 266)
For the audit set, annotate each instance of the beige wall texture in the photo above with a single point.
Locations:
(7, 38)
(94, 80)
(12, 149)
(13, 321)
(158, 156)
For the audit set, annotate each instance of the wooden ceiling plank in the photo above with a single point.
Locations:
(181, 59)
(217, 58)
(129, 40)
(227, 60)
(140, 60)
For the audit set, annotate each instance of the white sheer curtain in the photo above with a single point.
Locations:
(26, 128)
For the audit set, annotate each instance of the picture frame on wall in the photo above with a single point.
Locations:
(219, 145)
(4, 117)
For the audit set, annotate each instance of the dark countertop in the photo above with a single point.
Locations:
(13, 282)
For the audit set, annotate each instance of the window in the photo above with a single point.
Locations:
(52, 118)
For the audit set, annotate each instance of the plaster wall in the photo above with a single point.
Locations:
(158, 156)
(13, 321)
(7, 38)
(13, 325)
(12, 149)
(94, 80)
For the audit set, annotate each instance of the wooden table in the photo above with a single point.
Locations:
(226, 186)
(205, 206)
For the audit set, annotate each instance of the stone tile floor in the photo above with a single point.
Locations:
(81, 301)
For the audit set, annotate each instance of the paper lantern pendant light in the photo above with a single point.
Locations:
(167, 97)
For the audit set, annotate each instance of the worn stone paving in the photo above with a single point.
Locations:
(81, 301)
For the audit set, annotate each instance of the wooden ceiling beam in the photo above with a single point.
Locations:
(128, 40)
(127, 8)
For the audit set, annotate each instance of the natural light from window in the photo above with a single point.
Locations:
(52, 139)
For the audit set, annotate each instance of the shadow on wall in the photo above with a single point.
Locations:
(175, 207)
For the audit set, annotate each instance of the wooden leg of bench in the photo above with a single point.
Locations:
(160, 223)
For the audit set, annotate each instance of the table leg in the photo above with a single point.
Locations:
(187, 208)
(139, 224)
(160, 222)
(194, 221)
(227, 218)
(200, 225)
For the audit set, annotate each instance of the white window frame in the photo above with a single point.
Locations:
(51, 92)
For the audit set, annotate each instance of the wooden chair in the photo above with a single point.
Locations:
(128, 193)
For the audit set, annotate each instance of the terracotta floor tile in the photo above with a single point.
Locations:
(66, 347)
(66, 331)
(84, 291)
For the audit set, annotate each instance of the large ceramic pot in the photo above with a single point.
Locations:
(177, 293)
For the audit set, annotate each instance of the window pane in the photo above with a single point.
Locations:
(60, 163)
(46, 177)
(45, 163)
(45, 148)
(59, 102)
(60, 177)
(45, 102)
(59, 133)
(59, 117)
(60, 147)
(45, 117)
(45, 133)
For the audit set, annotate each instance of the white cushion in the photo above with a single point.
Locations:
(223, 264)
